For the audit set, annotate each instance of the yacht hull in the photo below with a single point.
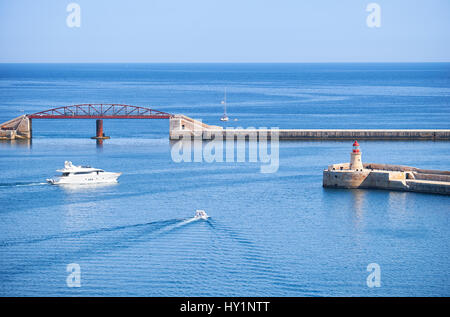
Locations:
(105, 177)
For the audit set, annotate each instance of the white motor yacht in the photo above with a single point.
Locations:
(72, 174)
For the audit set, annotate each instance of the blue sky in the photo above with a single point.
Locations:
(225, 31)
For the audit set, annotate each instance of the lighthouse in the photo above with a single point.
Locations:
(355, 158)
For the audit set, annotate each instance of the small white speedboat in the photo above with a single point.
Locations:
(201, 214)
(72, 174)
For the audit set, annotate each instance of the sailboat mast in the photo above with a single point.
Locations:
(225, 103)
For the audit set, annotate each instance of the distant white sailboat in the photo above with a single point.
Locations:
(224, 102)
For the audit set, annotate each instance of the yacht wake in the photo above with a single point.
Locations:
(19, 184)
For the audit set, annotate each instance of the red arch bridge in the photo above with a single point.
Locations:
(21, 127)
(98, 112)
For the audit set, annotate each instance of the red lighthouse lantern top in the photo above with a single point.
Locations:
(356, 147)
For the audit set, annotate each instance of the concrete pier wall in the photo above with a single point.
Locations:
(182, 126)
(364, 134)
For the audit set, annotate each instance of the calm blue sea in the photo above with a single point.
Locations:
(278, 234)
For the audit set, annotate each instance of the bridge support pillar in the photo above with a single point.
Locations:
(100, 136)
(99, 124)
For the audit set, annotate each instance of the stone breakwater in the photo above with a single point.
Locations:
(390, 177)
(182, 126)
(357, 174)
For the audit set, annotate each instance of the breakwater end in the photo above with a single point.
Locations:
(385, 176)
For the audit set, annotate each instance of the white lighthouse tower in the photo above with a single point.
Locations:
(355, 158)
